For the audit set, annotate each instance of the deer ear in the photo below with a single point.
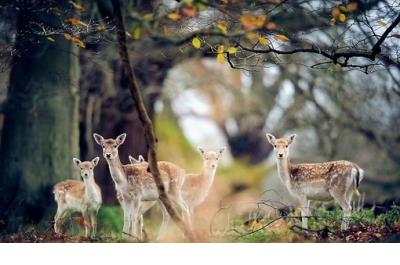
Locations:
(271, 138)
(201, 150)
(95, 161)
(98, 138)
(132, 159)
(141, 159)
(77, 161)
(221, 150)
(291, 138)
(121, 138)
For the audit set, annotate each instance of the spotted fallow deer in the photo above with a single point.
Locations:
(79, 196)
(196, 186)
(335, 180)
(136, 189)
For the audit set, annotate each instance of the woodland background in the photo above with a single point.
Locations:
(212, 74)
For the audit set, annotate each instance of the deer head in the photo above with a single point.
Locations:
(281, 145)
(211, 158)
(86, 167)
(110, 146)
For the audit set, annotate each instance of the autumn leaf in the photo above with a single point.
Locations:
(201, 7)
(251, 22)
(381, 22)
(281, 37)
(335, 12)
(148, 16)
(263, 40)
(343, 8)
(196, 43)
(175, 16)
(189, 11)
(127, 33)
(188, 2)
(54, 10)
(351, 7)
(232, 50)
(222, 27)
(100, 28)
(51, 39)
(75, 22)
(271, 25)
(67, 36)
(252, 35)
(137, 33)
(342, 18)
(332, 21)
(220, 49)
(79, 7)
(220, 58)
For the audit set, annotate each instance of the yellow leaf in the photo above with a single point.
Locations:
(232, 50)
(77, 6)
(188, 2)
(352, 7)
(381, 22)
(252, 35)
(148, 16)
(196, 43)
(343, 8)
(175, 16)
(100, 28)
(342, 17)
(51, 39)
(332, 22)
(137, 33)
(220, 49)
(220, 58)
(263, 40)
(222, 27)
(67, 36)
(201, 6)
(281, 37)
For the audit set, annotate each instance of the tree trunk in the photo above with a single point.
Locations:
(40, 134)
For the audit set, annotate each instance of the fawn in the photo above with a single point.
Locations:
(196, 186)
(334, 180)
(77, 196)
(136, 189)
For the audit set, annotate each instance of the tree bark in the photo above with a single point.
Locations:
(144, 118)
(40, 134)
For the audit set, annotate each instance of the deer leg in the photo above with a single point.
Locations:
(86, 222)
(93, 221)
(346, 207)
(305, 206)
(165, 221)
(127, 221)
(178, 199)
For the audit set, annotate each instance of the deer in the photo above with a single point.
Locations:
(136, 189)
(197, 185)
(333, 180)
(74, 196)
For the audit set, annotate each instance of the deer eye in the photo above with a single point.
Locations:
(274, 145)
(287, 146)
(91, 168)
(115, 146)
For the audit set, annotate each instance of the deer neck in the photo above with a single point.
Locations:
(116, 170)
(283, 170)
(90, 188)
(207, 174)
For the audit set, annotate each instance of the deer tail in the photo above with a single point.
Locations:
(358, 175)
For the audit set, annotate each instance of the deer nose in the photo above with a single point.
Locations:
(280, 155)
(86, 174)
(108, 155)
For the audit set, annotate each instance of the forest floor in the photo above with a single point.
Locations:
(367, 225)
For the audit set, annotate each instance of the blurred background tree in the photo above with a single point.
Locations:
(221, 72)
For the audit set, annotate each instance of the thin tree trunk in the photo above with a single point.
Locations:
(144, 118)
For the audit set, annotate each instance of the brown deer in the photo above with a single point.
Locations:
(335, 180)
(79, 196)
